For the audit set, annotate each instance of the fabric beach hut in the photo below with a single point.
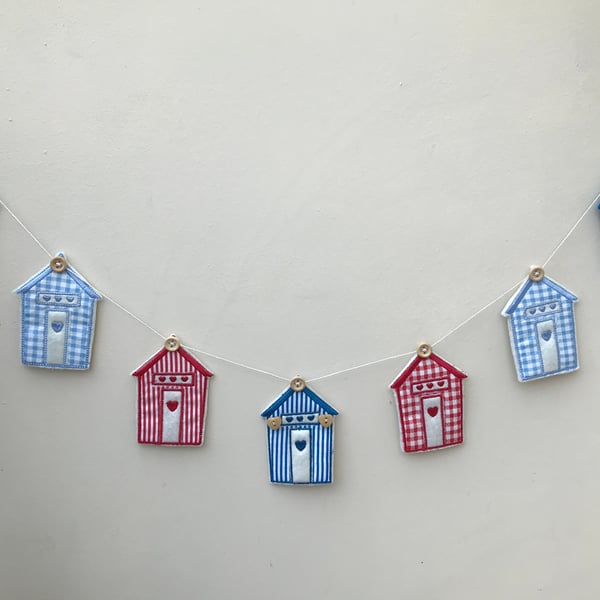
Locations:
(300, 436)
(429, 398)
(541, 325)
(172, 394)
(58, 310)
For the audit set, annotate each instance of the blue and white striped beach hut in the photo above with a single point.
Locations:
(541, 324)
(300, 437)
(58, 309)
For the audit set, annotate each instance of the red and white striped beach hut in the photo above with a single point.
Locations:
(172, 390)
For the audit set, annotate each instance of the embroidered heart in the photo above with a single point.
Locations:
(300, 419)
(184, 377)
(58, 298)
(162, 378)
(552, 306)
(420, 386)
(441, 383)
(58, 326)
(173, 378)
(432, 410)
(546, 335)
(300, 444)
(542, 309)
(172, 405)
(311, 417)
(289, 419)
(47, 298)
(532, 311)
(430, 385)
(70, 298)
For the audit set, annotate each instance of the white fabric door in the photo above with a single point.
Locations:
(432, 413)
(300, 440)
(171, 416)
(548, 347)
(56, 337)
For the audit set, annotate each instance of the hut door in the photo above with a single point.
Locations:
(171, 416)
(300, 440)
(547, 340)
(432, 413)
(56, 335)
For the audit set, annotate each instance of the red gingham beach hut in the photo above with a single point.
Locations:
(172, 391)
(429, 395)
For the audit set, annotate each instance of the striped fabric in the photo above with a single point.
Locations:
(541, 302)
(167, 372)
(300, 411)
(50, 293)
(421, 379)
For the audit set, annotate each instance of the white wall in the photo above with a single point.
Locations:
(302, 187)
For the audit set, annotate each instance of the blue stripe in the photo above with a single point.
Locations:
(298, 401)
(321, 438)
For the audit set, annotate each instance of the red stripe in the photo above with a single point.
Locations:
(151, 401)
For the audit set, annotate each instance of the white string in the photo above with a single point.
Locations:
(367, 364)
(237, 364)
(12, 214)
(128, 312)
(139, 319)
(510, 289)
(559, 246)
(454, 330)
(475, 314)
(334, 373)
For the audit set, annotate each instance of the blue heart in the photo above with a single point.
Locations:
(58, 298)
(552, 306)
(289, 419)
(300, 419)
(532, 311)
(542, 309)
(546, 335)
(300, 444)
(311, 417)
(58, 326)
(47, 298)
(70, 298)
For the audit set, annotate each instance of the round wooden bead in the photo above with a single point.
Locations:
(172, 343)
(58, 264)
(297, 384)
(424, 350)
(536, 273)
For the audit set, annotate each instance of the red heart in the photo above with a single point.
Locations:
(172, 405)
(420, 386)
(162, 378)
(432, 410)
(430, 385)
(184, 378)
(173, 378)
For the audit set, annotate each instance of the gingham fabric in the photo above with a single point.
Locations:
(49, 291)
(539, 302)
(421, 379)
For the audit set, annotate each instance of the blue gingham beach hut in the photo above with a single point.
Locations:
(58, 308)
(300, 436)
(541, 323)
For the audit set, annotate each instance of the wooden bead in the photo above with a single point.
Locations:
(172, 343)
